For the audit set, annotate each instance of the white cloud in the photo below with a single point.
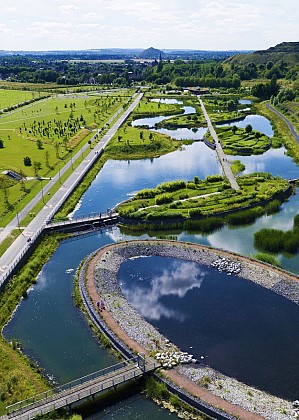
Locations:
(197, 24)
(179, 278)
(68, 9)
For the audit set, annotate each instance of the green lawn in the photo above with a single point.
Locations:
(14, 97)
(48, 132)
(148, 107)
(136, 143)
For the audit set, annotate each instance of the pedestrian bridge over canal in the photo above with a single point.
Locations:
(82, 388)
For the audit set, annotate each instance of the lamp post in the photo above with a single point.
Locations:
(41, 183)
(18, 219)
(72, 160)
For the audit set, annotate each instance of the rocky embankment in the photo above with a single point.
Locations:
(107, 285)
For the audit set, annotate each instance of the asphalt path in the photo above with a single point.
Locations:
(290, 125)
(220, 153)
(20, 246)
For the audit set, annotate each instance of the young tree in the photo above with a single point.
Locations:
(56, 145)
(39, 144)
(47, 155)
(37, 166)
(27, 161)
(248, 128)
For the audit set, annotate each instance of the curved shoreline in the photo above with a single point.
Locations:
(141, 336)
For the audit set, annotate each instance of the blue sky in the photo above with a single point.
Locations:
(164, 24)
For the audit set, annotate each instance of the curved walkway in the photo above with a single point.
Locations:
(183, 382)
(290, 125)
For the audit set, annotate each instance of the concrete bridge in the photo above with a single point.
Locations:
(81, 389)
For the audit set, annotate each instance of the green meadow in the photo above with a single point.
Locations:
(46, 134)
(13, 97)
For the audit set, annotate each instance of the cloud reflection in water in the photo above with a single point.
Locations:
(176, 280)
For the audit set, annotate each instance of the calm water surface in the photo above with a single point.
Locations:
(258, 122)
(211, 314)
(118, 180)
(52, 330)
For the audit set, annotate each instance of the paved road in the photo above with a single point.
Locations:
(290, 125)
(221, 155)
(21, 244)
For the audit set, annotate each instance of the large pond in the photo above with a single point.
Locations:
(118, 180)
(213, 314)
(52, 330)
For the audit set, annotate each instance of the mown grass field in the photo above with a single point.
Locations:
(180, 199)
(14, 97)
(48, 132)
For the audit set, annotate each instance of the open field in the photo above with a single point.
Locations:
(14, 97)
(47, 133)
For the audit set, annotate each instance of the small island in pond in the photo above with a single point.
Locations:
(181, 200)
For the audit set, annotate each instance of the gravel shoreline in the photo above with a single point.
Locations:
(106, 282)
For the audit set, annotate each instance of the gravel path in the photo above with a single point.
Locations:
(199, 380)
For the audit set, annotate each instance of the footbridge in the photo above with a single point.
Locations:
(88, 222)
(83, 388)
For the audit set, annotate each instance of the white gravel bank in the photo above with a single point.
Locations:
(146, 335)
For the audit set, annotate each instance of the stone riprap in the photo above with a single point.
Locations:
(107, 285)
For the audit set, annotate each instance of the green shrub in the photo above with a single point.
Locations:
(195, 212)
(172, 186)
(164, 199)
(267, 258)
(156, 390)
(214, 178)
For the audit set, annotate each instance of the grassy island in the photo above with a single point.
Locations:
(242, 141)
(137, 143)
(181, 200)
(150, 107)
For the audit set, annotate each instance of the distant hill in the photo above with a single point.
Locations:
(286, 51)
(153, 53)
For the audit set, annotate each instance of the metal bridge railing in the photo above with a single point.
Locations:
(61, 388)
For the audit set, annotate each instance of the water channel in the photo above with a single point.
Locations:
(49, 326)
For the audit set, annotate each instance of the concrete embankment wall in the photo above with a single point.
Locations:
(200, 405)
(95, 317)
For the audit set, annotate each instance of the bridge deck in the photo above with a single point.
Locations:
(66, 397)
